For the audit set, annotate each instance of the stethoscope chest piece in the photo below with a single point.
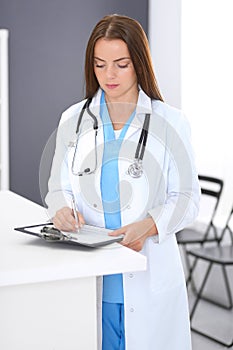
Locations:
(135, 169)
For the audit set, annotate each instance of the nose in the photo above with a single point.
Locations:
(111, 72)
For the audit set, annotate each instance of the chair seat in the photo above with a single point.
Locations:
(191, 236)
(220, 255)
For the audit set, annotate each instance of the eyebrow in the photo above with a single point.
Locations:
(117, 60)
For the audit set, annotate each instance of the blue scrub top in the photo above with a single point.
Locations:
(109, 184)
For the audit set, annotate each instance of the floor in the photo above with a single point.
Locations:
(212, 319)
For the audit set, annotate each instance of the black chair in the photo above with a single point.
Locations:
(211, 188)
(221, 255)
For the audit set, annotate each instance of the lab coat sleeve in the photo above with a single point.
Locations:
(180, 205)
(59, 188)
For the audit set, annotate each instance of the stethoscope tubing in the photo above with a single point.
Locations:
(143, 139)
(141, 146)
(86, 107)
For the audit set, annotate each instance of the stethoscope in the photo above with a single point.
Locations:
(135, 169)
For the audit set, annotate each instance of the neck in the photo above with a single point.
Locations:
(128, 97)
(120, 112)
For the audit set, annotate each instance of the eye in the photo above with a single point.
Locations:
(99, 65)
(123, 65)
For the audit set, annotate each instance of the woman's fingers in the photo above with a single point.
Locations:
(64, 220)
(80, 219)
(136, 233)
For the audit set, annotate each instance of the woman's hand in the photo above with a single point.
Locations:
(64, 220)
(136, 233)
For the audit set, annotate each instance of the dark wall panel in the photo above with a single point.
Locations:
(47, 44)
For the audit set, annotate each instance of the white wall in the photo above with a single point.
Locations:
(207, 75)
(164, 37)
(203, 87)
(4, 111)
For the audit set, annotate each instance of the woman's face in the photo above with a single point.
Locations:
(114, 70)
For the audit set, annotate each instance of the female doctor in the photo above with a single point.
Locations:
(146, 194)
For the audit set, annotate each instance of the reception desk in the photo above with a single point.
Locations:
(48, 291)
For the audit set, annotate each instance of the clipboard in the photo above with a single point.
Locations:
(88, 235)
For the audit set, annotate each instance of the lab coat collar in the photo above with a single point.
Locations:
(144, 104)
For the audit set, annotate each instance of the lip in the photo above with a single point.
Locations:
(112, 86)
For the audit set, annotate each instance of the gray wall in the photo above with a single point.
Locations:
(47, 44)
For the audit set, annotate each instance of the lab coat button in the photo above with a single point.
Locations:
(128, 206)
(95, 205)
(131, 309)
(131, 275)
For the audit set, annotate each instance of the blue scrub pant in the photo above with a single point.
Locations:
(113, 330)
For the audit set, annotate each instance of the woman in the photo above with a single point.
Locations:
(147, 202)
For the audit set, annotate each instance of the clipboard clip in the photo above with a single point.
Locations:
(52, 234)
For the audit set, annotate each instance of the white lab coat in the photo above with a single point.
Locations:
(156, 306)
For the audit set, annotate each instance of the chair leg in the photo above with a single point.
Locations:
(198, 296)
(228, 290)
(216, 340)
(189, 279)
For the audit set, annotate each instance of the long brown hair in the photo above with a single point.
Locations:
(132, 33)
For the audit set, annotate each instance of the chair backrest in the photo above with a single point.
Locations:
(212, 188)
(205, 181)
(227, 227)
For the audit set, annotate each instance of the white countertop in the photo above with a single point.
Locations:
(28, 259)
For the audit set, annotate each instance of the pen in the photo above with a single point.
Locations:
(75, 212)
